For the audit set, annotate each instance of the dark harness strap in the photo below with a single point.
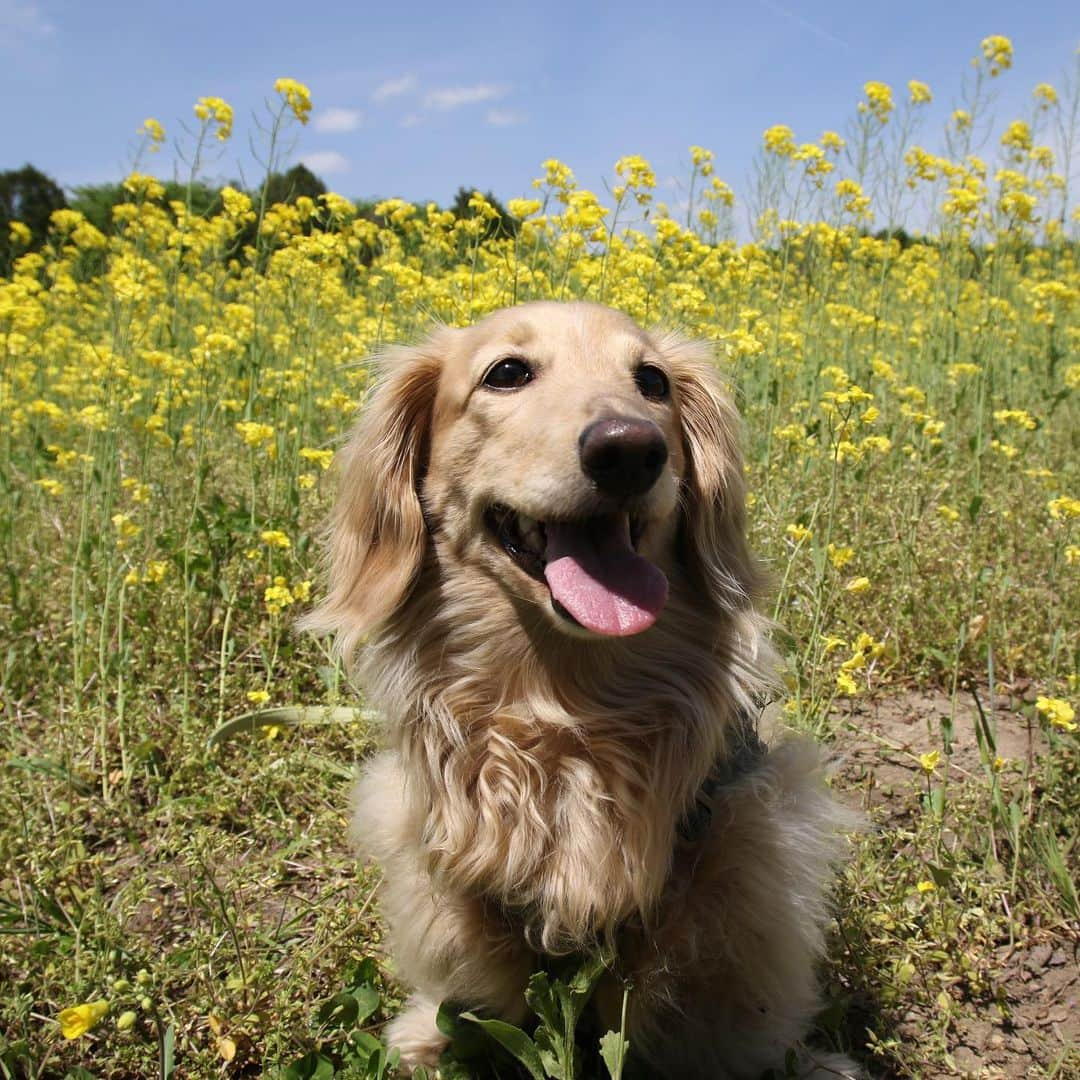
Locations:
(746, 750)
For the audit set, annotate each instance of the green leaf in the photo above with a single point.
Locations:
(340, 1011)
(514, 1040)
(613, 1049)
(311, 1066)
(168, 1052)
(290, 716)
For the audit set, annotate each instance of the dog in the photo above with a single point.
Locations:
(540, 543)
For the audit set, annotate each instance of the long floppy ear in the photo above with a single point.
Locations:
(376, 535)
(714, 544)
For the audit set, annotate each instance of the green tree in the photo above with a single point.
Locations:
(504, 225)
(29, 196)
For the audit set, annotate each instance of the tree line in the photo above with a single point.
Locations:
(30, 196)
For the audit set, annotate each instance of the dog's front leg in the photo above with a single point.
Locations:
(446, 947)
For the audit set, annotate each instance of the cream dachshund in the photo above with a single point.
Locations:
(538, 557)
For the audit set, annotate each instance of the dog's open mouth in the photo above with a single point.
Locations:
(596, 577)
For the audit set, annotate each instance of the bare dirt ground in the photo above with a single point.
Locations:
(1038, 984)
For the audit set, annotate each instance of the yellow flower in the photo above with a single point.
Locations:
(154, 132)
(840, 556)
(20, 234)
(925, 886)
(126, 529)
(258, 697)
(1072, 554)
(919, 91)
(832, 141)
(962, 119)
(79, 1019)
(50, 487)
(780, 140)
(798, 533)
(845, 684)
(322, 458)
(1060, 713)
(254, 434)
(276, 538)
(879, 100)
(1063, 507)
(948, 513)
(857, 585)
(832, 643)
(213, 110)
(998, 51)
(929, 762)
(278, 596)
(156, 571)
(297, 96)
(306, 481)
(1045, 95)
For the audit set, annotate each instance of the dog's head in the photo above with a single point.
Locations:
(558, 452)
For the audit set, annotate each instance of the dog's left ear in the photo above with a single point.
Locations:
(713, 540)
(377, 536)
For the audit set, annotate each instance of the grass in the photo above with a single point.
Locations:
(169, 403)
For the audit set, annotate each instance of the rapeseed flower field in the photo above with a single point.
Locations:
(171, 395)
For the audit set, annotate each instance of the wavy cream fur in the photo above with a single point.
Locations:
(534, 777)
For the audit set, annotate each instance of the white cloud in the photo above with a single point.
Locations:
(393, 88)
(21, 22)
(504, 117)
(326, 162)
(453, 97)
(336, 121)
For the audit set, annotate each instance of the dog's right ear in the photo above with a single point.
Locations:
(376, 535)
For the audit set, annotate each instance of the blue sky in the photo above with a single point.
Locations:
(415, 99)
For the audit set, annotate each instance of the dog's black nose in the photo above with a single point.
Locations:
(622, 456)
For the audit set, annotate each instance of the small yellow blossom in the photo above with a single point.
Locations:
(322, 458)
(254, 434)
(830, 643)
(275, 538)
(297, 96)
(857, 585)
(1063, 507)
(258, 697)
(920, 92)
(50, 487)
(846, 685)
(840, 556)
(79, 1019)
(879, 100)
(798, 533)
(278, 596)
(154, 132)
(948, 513)
(929, 762)
(1059, 712)
(998, 52)
(925, 886)
(126, 529)
(213, 110)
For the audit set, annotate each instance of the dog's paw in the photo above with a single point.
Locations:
(414, 1034)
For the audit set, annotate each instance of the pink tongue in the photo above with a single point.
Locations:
(595, 574)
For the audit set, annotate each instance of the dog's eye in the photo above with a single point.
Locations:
(652, 382)
(508, 374)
